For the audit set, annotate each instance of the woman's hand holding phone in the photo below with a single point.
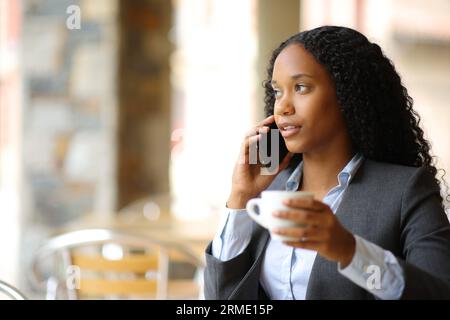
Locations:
(247, 181)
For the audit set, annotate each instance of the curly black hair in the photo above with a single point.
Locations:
(377, 109)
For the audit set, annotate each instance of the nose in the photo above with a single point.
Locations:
(284, 107)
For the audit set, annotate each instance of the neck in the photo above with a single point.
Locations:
(321, 167)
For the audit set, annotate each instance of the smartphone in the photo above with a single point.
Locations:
(282, 149)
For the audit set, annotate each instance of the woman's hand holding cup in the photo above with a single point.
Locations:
(321, 231)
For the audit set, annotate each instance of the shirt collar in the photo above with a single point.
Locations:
(344, 177)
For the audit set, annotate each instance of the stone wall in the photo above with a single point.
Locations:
(69, 117)
(96, 124)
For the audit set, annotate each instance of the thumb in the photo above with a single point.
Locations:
(287, 159)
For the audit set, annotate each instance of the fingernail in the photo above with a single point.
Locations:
(276, 214)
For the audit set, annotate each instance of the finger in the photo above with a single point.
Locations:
(251, 142)
(301, 216)
(287, 159)
(256, 130)
(310, 245)
(305, 203)
(309, 233)
(263, 124)
(267, 121)
(244, 154)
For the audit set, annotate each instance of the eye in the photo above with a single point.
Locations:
(301, 88)
(276, 93)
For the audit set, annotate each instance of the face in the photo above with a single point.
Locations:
(306, 108)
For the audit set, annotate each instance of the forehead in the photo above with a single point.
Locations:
(295, 59)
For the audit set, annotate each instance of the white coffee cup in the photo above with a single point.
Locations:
(271, 201)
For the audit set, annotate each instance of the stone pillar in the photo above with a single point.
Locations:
(276, 22)
(144, 95)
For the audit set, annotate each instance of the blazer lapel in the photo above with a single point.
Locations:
(248, 288)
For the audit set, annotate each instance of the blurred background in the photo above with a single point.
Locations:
(128, 114)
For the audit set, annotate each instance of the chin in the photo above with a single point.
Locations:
(295, 147)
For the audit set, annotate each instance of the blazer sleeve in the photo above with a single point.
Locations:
(425, 238)
(237, 278)
(222, 277)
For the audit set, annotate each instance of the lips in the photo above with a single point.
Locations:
(289, 129)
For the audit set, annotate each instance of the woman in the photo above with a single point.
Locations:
(377, 228)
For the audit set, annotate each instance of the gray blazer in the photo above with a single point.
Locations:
(396, 207)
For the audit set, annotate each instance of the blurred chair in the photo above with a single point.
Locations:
(108, 264)
(11, 291)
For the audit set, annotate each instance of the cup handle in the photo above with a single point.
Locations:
(251, 205)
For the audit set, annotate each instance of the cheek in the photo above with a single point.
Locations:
(313, 109)
(321, 115)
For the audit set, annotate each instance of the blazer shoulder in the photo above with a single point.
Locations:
(400, 174)
(392, 181)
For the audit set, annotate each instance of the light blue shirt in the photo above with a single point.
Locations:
(286, 270)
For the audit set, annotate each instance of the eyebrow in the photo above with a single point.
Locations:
(295, 76)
